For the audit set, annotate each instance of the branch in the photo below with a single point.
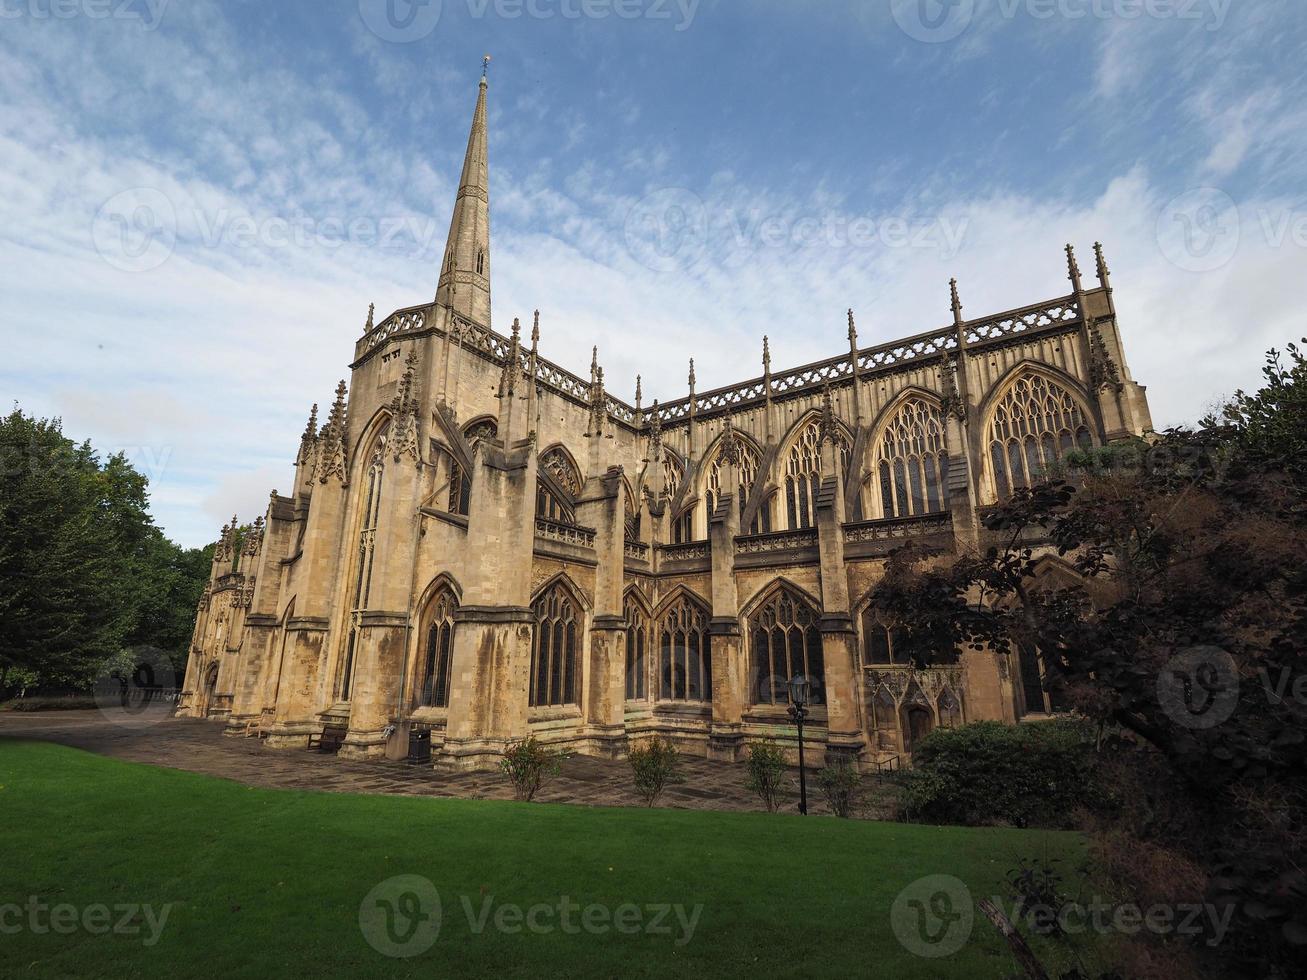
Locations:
(1020, 950)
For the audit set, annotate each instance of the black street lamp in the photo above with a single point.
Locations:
(799, 693)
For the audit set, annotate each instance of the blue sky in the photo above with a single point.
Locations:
(200, 199)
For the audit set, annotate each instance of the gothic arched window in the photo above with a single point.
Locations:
(481, 262)
(549, 504)
(803, 475)
(671, 472)
(1034, 424)
(632, 521)
(684, 660)
(554, 652)
(637, 641)
(785, 642)
(910, 472)
(748, 475)
(683, 527)
(884, 643)
(369, 504)
(460, 481)
(439, 653)
(879, 639)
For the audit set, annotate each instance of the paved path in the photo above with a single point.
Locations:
(200, 746)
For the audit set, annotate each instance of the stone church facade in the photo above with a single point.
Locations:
(480, 545)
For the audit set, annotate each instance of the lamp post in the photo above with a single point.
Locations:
(799, 693)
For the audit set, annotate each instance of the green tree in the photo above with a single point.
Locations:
(84, 572)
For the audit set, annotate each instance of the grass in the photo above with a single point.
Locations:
(270, 882)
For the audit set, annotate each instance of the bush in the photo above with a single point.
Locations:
(527, 764)
(1035, 774)
(654, 765)
(841, 784)
(767, 772)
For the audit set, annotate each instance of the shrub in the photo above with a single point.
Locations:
(527, 764)
(654, 765)
(841, 784)
(1035, 774)
(767, 772)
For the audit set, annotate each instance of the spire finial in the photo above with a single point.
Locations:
(827, 426)
(655, 425)
(639, 394)
(535, 332)
(372, 309)
(1104, 276)
(1073, 267)
(955, 303)
(766, 355)
(692, 374)
(485, 67)
(517, 329)
(853, 332)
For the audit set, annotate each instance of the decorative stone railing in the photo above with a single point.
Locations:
(1051, 314)
(776, 541)
(926, 346)
(690, 551)
(898, 527)
(636, 549)
(403, 321)
(573, 534)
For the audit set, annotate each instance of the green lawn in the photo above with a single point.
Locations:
(270, 882)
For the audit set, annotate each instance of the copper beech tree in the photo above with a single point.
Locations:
(1177, 623)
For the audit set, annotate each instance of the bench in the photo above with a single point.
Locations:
(329, 739)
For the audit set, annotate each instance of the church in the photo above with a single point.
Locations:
(481, 546)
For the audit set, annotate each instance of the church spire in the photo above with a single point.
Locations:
(465, 271)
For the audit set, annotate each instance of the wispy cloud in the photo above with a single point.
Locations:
(302, 167)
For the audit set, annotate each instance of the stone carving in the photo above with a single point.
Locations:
(331, 455)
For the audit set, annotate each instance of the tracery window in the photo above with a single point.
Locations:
(671, 472)
(637, 639)
(554, 652)
(1036, 422)
(803, 475)
(632, 522)
(748, 475)
(884, 643)
(436, 672)
(484, 429)
(1038, 695)
(879, 639)
(683, 527)
(786, 642)
(910, 472)
(369, 513)
(549, 504)
(684, 658)
(460, 481)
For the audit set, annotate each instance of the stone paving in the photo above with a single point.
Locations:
(201, 746)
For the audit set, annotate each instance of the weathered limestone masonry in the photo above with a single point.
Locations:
(479, 545)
